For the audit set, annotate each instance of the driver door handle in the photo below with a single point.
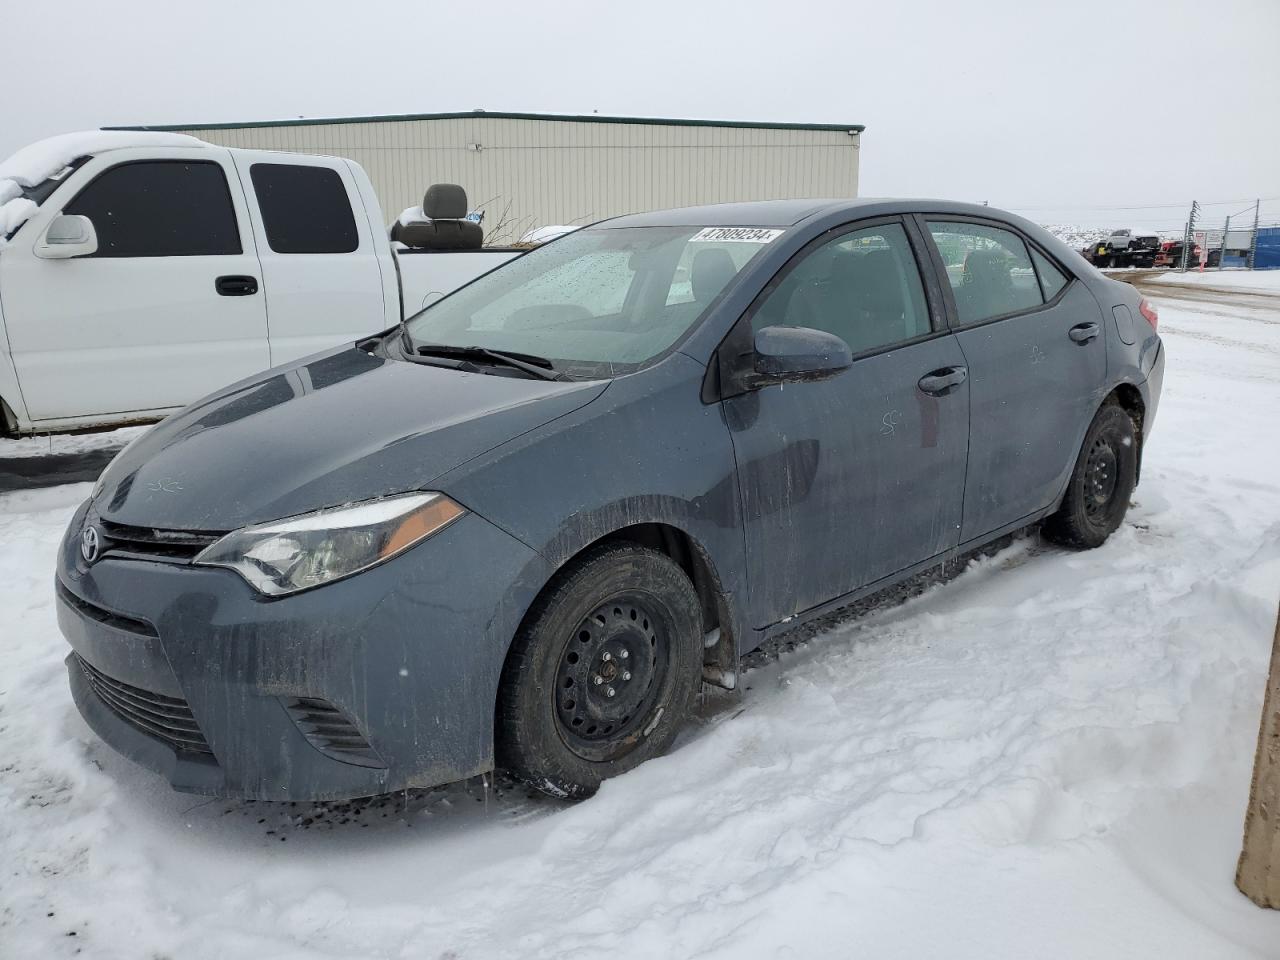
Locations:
(1084, 332)
(236, 286)
(941, 382)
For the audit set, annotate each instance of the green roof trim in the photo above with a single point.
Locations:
(485, 114)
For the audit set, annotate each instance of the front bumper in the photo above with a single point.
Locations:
(376, 683)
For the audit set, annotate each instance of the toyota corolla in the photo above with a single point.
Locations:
(525, 526)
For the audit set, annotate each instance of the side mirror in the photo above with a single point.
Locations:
(797, 355)
(68, 236)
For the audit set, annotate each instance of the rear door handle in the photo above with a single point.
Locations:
(236, 286)
(941, 382)
(1084, 332)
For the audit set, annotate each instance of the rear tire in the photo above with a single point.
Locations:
(603, 672)
(1105, 474)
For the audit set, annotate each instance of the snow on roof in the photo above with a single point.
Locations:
(39, 161)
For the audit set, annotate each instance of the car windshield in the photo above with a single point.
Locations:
(598, 302)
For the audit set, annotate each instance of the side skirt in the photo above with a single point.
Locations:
(760, 636)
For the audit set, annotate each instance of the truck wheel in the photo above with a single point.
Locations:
(602, 673)
(1098, 493)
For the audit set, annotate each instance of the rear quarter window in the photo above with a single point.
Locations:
(1051, 278)
(304, 209)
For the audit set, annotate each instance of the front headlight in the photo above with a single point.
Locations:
(285, 556)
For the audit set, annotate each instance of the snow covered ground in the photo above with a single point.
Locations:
(1046, 757)
(1267, 280)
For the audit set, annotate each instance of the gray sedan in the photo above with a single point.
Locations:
(525, 526)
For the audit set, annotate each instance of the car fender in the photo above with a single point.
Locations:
(646, 451)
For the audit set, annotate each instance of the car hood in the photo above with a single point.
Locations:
(340, 427)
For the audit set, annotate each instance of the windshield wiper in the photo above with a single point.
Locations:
(528, 362)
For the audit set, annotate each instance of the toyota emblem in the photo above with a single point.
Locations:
(90, 544)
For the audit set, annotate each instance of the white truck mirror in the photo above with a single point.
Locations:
(68, 235)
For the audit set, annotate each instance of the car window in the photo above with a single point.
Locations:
(304, 209)
(160, 208)
(597, 302)
(1051, 278)
(989, 269)
(681, 290)
(593, 285)
(863, 286)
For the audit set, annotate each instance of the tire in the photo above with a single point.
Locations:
(1102, 481)
(628, 616)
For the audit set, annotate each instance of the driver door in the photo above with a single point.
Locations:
(847, 481)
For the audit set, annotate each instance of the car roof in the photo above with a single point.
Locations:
(786, 213)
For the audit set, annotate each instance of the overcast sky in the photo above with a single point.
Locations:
(1044, 107)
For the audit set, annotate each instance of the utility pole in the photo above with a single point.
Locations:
(1258, 873)
(1187, 237)
(1222, 250)
(1253, 240)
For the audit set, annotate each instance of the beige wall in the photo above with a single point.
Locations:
(542, 172)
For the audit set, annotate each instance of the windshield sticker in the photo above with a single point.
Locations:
(735, 235)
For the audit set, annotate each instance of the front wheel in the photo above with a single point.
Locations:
(1105, 474)
(603, 672)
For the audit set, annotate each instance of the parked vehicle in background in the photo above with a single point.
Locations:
(1171, 254)
(146, 270)
(524, 528)
(1123, 248)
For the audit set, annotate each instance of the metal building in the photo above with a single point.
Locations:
(527, 170)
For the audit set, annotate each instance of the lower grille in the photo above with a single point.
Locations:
(117, 621)
(165, 718)
(330, 732)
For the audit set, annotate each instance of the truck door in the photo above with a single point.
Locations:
(319, 257)
(168, 309)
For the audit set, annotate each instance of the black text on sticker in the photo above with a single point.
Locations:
(735, 235)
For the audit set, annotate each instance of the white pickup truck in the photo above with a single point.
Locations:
(140, 271)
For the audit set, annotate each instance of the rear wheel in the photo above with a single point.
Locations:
(1105, 474)
(603, 672)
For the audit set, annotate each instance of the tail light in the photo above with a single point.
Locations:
(1147, 310)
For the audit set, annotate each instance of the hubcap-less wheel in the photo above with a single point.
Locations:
(1104, 476)
(1101, 474)
(609, 675)
(602, 672)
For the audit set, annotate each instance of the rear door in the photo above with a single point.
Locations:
(167, 310)
(852, 479)
(320, 262)
(1034, 342)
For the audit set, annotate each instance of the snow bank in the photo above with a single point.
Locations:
(1266, 280)
(64, 444)
(1047, 757)
(39, 161)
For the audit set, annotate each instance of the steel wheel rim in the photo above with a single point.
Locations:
(1101, 478)
(610, 674)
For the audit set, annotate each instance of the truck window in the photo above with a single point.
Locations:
(304, 209)
(160, 208)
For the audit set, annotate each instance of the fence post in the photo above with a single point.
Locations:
(1253, 241)
(1187, 239)
(1258, 872)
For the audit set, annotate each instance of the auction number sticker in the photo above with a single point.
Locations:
(735, 235)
